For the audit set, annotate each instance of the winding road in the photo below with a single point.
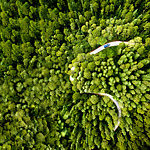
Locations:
(110, 44)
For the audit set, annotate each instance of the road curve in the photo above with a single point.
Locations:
(115, 43)
(116, 103)
(110, 44)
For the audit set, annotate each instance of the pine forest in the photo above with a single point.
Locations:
(41, 41)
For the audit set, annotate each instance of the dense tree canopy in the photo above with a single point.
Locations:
(40, 108)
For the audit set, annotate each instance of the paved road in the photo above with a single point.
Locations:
(115, 43)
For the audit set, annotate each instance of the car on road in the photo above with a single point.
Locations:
(106, 45)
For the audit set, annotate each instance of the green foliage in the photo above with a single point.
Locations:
(40, 108)
(94, 99)
(40, 138)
